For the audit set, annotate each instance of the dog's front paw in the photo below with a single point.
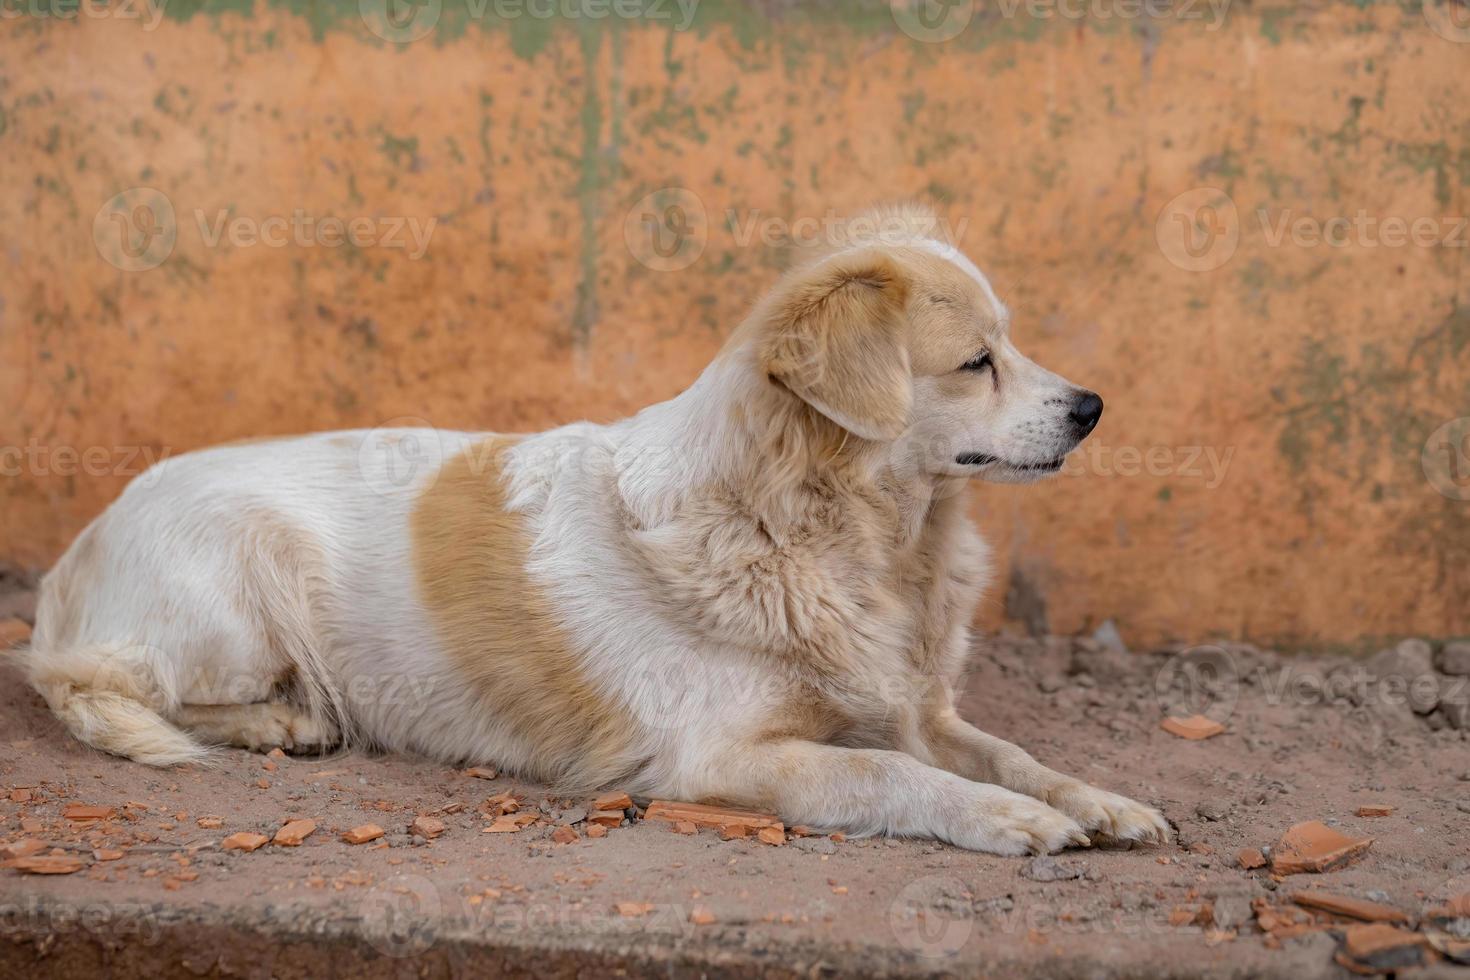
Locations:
(1099, 811)
(1002, 822)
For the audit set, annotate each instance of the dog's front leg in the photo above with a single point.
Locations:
(873, 791)
(963, 749)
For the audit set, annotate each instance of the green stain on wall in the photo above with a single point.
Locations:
(532, 25)
(589, 181)
(1352, 410)
(1447, 165)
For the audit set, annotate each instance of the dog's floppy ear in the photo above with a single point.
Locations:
(836, 337)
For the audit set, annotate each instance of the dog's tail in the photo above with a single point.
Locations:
(109, 696)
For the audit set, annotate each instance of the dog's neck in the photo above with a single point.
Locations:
(736, 430)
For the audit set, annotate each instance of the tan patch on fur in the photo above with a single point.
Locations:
(470, 556)
(951, 317)
(836, 338)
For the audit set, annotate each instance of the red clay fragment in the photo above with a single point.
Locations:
(1352, 908)
(46, 864)
(702, 815)
(363, 834)
(244, 841)
(22, 848)
(1380, 948)
(82, 811)
(632, 910)
(1375, 810)
(1315, 847)
(426, 826)
(607, 818)
(612, 801)
(510, 823)
(1195, 727)
(1250, 858)
(293, 832)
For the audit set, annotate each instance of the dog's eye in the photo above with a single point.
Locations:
(977, 363)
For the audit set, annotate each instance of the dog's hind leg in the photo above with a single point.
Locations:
(260, 726)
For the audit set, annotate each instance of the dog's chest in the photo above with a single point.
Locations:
(850, 601)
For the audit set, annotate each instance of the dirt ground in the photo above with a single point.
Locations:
(1305, 739)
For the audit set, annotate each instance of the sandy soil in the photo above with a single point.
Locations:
(1292, 751)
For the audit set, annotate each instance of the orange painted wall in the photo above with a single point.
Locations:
(1272, 465)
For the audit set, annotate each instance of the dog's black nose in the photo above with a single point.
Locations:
(1086, 412)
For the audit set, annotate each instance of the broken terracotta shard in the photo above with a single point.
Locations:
(717, 817)
(1349, 907)
(1195, 727)
(1315, 847)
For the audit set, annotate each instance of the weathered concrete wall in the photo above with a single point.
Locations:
(1266, 467)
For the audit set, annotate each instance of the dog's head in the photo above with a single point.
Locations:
(901, 340)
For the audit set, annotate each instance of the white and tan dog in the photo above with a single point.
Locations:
(758, 592)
